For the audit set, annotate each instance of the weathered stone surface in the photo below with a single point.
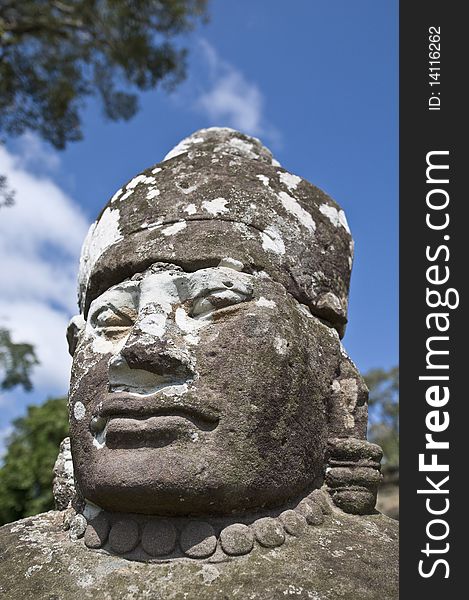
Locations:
(97, 531)
(352, 449)
(348, 404)
(356, 501)
(293, 522)
(311, 512)
(68, 515)
(354, 475)
(74, 329)
(345, 559)
(63, 485)
(269, 532)
(198, 539)
(316, 517)
(124, 536)
(237, 539)
(159, 537)
(77, 527)
(322, 499)
(347, 476)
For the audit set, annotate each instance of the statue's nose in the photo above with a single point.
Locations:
(151, 357)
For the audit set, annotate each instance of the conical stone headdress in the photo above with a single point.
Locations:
(220, 194)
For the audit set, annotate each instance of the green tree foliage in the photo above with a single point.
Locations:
(384, 412)
(56, 53)
(27, 472)
(16, 363)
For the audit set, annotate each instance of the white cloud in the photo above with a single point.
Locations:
(40, 241)
(231, 100)
(31, 153)
(235, 102)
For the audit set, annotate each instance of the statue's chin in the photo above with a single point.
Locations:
(181, 488)
(171, 503)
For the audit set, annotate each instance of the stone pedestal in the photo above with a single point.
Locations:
(348, 557)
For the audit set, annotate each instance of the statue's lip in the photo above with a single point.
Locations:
(127, 406)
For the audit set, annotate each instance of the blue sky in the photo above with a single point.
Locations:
(316, 81)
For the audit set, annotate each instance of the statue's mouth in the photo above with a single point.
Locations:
(125, 421)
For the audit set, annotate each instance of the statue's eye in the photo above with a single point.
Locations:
(216, 300)
(113, 320)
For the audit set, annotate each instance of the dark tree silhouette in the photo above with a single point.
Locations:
(56, 53)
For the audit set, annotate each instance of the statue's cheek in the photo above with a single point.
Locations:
(89, 377)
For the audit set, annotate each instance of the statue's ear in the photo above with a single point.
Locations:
(348, 406)
(74, 329)
(353, 474)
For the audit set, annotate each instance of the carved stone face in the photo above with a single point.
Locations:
(199, 392)
(209, 387)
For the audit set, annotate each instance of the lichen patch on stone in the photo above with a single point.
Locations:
(79, 411)
(216, 206)
(190, 209)
(280, 345)
(127, 194)
(33, 569)
(290, 180)
(154, 324)
(101, 235)
(153, 193)
(139, 179)
(176, 228)
(266, 303)
(336, 217)
(183, 147)
(294, 207)
(272, 240)
(245, 147)
(116, 195)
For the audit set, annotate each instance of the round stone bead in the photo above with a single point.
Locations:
(124, 536)
(237, 539)
(311, 512)
(198, 539)
(97, 531)
(293, 523)
(269, 532)
(77, 527)
(159, 537)
(320, 498)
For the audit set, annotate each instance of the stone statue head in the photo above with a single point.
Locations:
(208, 375)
